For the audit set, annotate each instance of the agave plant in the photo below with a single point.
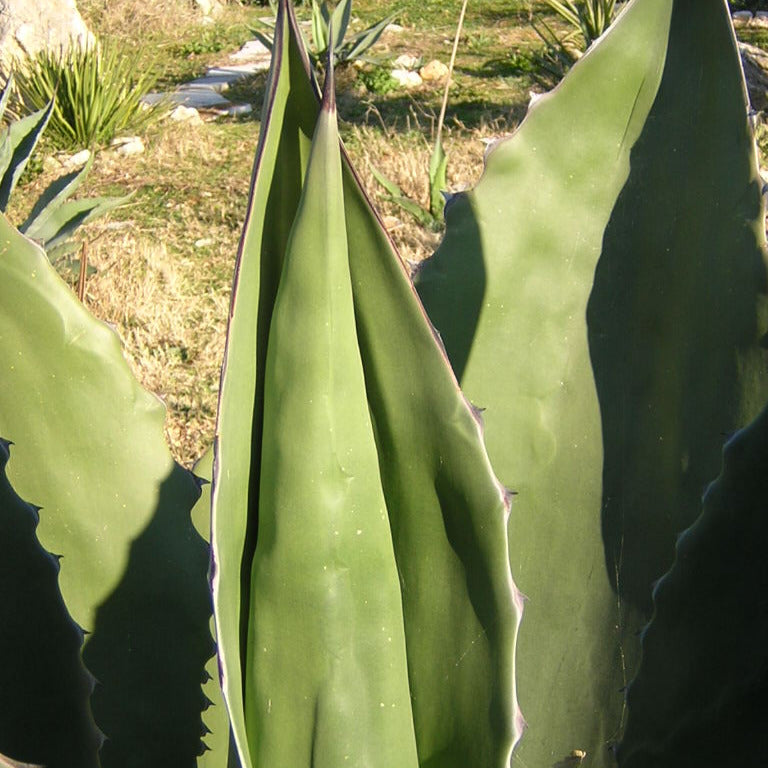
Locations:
(326, 22)
(361, 555)
(53, 218)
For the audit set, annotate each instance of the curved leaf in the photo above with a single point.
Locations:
(44, 688)
(90, 449)
(699, 697)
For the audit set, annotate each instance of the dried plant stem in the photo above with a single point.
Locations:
(444, 105)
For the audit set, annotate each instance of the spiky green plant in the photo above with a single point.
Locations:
(346, 49)
(361, 556)
(53, 218)
(96, 90)
(608, 315)
(589, 17)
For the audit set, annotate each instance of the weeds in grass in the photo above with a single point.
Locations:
(96, 90)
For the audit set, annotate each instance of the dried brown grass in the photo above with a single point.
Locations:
(137, 19)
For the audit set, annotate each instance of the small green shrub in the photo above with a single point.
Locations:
(97, 93)
(377, 80)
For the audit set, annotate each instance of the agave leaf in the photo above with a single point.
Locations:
(45, 691)
(218, 750)
(91, 450)
(438, 511)
(58, 222)
(22, 137)
(699, 697)
(56, 193)
(287, 127)
(438, 163)
(359, 43)
(326, 678)
(508, 291)
(339, 21)
(320, 21)
(681, 283)
(672, 331)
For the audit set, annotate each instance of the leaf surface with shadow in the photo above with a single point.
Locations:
(44, 688)
(507, 289)
(90, 449)
(678, 307)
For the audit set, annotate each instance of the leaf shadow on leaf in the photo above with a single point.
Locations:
(151, 641)
(457, 322)
(44, 688)
(672, 320)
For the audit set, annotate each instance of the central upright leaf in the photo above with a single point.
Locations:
(365, 611)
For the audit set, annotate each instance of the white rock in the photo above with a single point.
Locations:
(396, 28)
(209, 7)
(127, 146)
(742, 17)
(203, 242)
(760, 19)
(78, 159)
(407, 61)
(189, 115)
(406, 78)
(29, 26)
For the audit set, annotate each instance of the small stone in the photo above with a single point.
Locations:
(434, 71)
(127, 146)
(79, 159)
(742, 17)
(407, 61)
(189, 115)
(406, 78)
(203, 242)
(396, 28)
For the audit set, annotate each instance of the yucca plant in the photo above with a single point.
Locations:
(96, 90)
(589, 17)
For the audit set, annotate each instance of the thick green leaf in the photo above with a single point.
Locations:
(439, 511)
(90, 450)
(44, 688)
(447, 513)
(55, 227)
(326, 671)
(18, 143)
(218, 748)
(672, 339)
(287, 128)
(678, 306)
(508, 291)
(699, 697)
(438, 163)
